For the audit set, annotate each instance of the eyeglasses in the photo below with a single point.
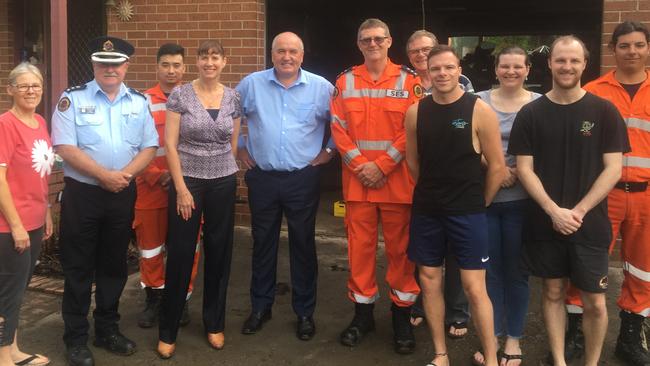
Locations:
(367, 41)
(424, 50)
(23, 88)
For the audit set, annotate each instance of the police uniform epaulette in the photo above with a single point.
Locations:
(409, 70)
(344, 71)
(135, 91)
(75, 88)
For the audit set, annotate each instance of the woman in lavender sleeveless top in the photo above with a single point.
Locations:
(201, 133)
(507, 285)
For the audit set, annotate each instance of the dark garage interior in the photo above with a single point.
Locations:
(328, 29)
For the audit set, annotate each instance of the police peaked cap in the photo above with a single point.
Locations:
(110, 50)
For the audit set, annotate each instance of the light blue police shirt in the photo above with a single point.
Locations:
(286, 126)
(111, 133)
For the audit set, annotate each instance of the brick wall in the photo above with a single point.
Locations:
(238, 24)
(6, 50)
(616, 11)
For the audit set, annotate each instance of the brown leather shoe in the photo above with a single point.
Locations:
(165, 350)
(216, 340)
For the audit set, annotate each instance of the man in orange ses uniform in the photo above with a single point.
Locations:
(150, 222)
(628, 87)
(368, 110)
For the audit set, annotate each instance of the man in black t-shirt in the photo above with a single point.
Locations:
(569, 146)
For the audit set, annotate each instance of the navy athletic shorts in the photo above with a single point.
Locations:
(467, 236)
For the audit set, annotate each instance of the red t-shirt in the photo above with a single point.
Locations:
(28, 156)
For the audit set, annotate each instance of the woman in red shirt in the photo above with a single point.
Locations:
(26, 159)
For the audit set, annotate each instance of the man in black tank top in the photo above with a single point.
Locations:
(445, 137)
(569, 146)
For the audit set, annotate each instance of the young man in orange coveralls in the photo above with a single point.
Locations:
(368, 110)
(628, 87)
(150, 222)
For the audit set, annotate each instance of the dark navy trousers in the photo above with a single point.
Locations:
(95, 232)
(294, 194)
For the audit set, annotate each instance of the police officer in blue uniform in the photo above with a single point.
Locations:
(106, 135)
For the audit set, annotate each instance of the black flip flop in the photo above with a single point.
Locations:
(28, 361)
(457, 326)
(509, 358)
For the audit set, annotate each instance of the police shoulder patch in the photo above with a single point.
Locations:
(64, 104)
(418, 91)
(75, 88)
(409, 70)
(137, 92)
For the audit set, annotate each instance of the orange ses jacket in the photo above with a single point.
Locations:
(368, 125)
(636, 112)
(150, 194)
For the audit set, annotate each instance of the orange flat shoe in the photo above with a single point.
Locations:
(216, 340)
(165, 350)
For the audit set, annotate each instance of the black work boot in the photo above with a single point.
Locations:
(403, 338)
(362, 323)
(574, 339)
(149, 316)
(628, 345)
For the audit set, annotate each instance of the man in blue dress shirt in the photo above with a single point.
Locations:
(287, 111)
(106, 135)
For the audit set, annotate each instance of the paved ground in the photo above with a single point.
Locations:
(41, 326)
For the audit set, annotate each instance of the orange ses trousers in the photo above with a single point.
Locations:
(151, 231)
(362, 251)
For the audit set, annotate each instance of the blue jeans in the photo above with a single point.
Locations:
(507, 284)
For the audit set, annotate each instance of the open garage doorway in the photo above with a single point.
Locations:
(328, 29)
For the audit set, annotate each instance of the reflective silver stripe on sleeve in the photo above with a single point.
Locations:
(374, 145)
(394, 154)
(399, 85)
(367, 93)
(347, 158)
(158, 107)
(341, 122)
(636, 162)
(160, 151)
(639, 123)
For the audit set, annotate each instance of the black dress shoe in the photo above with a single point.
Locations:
(255, 321)
(79, 355)
(116, 343)
(306, 328)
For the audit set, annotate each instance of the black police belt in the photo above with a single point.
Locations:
(632, 186)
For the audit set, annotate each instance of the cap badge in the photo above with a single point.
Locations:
(108, 46)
